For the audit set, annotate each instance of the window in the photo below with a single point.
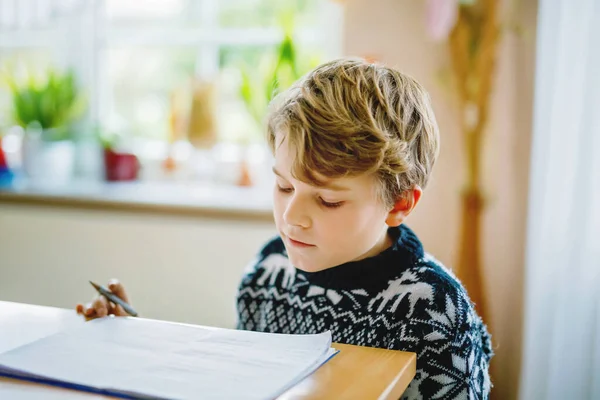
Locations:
(135, 57)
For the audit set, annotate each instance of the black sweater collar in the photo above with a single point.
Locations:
(405, 250)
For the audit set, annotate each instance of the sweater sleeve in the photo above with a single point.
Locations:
(453, 349)
(450, 369)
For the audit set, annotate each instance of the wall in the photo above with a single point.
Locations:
(184, 269)
(392, 31)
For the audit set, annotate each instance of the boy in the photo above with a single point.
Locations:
(354, 145)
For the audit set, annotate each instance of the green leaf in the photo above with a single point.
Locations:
(53, 101)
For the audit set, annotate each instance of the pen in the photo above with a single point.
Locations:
(110, 296)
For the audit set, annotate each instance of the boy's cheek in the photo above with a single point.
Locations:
(278, 213)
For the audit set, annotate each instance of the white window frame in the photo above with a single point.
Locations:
(89, 33)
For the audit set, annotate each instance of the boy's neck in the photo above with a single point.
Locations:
(384, 242)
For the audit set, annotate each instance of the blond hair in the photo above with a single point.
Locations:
(349, 117)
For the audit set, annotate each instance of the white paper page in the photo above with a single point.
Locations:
(173, 361)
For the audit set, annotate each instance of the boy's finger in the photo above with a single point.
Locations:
(102, 312)
(89, 310)
(118, 311)
(100, 305)
(117, 288)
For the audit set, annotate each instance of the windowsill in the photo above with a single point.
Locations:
(195, 199)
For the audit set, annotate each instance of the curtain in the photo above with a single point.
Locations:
(561, 347)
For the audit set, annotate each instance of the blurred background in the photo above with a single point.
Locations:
(132, 146)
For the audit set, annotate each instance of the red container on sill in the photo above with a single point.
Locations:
(120, 166)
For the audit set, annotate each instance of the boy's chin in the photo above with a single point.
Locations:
(307, 266)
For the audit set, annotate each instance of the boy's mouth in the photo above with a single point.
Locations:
(298, 243)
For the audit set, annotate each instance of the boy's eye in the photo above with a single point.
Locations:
(285, 189)
(332, 205)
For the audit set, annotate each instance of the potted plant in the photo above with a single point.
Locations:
(118, 165)
(46, 108)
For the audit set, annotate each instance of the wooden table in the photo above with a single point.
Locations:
(354, 373)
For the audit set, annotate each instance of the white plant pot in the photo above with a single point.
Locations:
(48, 161)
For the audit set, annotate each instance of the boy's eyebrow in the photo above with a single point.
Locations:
(328, 186)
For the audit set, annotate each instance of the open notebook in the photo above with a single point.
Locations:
(147, 359)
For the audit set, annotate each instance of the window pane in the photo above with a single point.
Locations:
(152, 12)
(236, 56)
(141, 82)
(267, 13)
(16, 15)
(241, 117)
(236, 123)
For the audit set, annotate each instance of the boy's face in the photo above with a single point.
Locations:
(323, 227)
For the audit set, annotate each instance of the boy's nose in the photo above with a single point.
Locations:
(295, 214)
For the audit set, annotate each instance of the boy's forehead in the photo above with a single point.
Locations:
(281, 142)
(285, 156)
(338, 184)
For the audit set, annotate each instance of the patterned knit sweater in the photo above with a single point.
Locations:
(401, 299)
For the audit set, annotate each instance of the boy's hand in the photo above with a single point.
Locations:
(101, 306)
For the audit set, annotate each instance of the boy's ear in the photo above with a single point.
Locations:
(404, 206)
